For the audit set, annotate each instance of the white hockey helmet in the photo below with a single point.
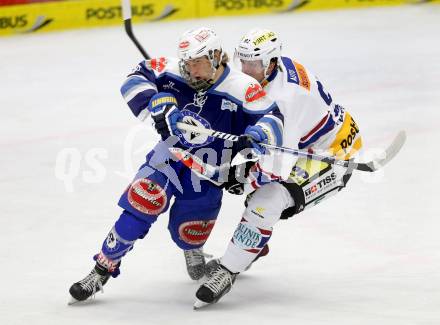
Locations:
(197, 43)
(258, 44)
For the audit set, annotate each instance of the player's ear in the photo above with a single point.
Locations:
(273, 64)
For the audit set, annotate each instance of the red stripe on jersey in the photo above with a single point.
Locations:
(265, 232)
(316, 128)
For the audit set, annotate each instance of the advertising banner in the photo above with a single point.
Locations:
(246, 7)
(51, 16)
(27, 16)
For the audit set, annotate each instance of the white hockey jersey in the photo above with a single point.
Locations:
(312, 120)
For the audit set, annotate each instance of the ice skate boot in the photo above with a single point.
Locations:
(211, 266)
(91, 284)
(195, 263)
(215, 287)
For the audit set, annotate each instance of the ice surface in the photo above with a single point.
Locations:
(370, 255)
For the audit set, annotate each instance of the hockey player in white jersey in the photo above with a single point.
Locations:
(199, 89)
(313, 121)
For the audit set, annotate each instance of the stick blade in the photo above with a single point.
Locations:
(391, 151)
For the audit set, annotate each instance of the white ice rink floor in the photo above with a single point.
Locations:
(370, 255)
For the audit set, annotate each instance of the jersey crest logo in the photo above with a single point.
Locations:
(199, 100)
(254, 92)
(158, 64)
(194, 139)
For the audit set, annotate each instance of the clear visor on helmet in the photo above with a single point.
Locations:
(198, 72)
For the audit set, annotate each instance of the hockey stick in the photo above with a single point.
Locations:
(370, 166)
(126, 12)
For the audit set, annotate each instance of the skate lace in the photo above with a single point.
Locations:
(194, 257)
(219, 280)
(90, 282)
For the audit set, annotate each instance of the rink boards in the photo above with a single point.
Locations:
(57, 15)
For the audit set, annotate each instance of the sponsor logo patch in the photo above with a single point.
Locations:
(111, 242)
(319, 187)
(183, 44)
(228, 105)
(250, 238)
(258, 212)
(263, 38)
(103, 260)
(348, 140)
(303, 77)
(202, 36)
(158, 64)
(171, 86)
(254, 92)
(196, 232)
(147, 197)
(292, 76)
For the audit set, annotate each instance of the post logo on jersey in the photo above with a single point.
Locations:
(348, 140)
(254, 92)
(194, 139)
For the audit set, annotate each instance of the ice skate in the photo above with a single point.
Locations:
(88, 286)
(195, 263)
(211, 266)
(215, 287)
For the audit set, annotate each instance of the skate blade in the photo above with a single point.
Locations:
(198, 304)
(72, 301)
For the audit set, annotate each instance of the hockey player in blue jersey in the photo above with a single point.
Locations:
(200, 89)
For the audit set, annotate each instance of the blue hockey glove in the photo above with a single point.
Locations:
(165, 114)
(255, 135)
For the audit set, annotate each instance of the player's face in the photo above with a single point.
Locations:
(199, 69)
(254, 69)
